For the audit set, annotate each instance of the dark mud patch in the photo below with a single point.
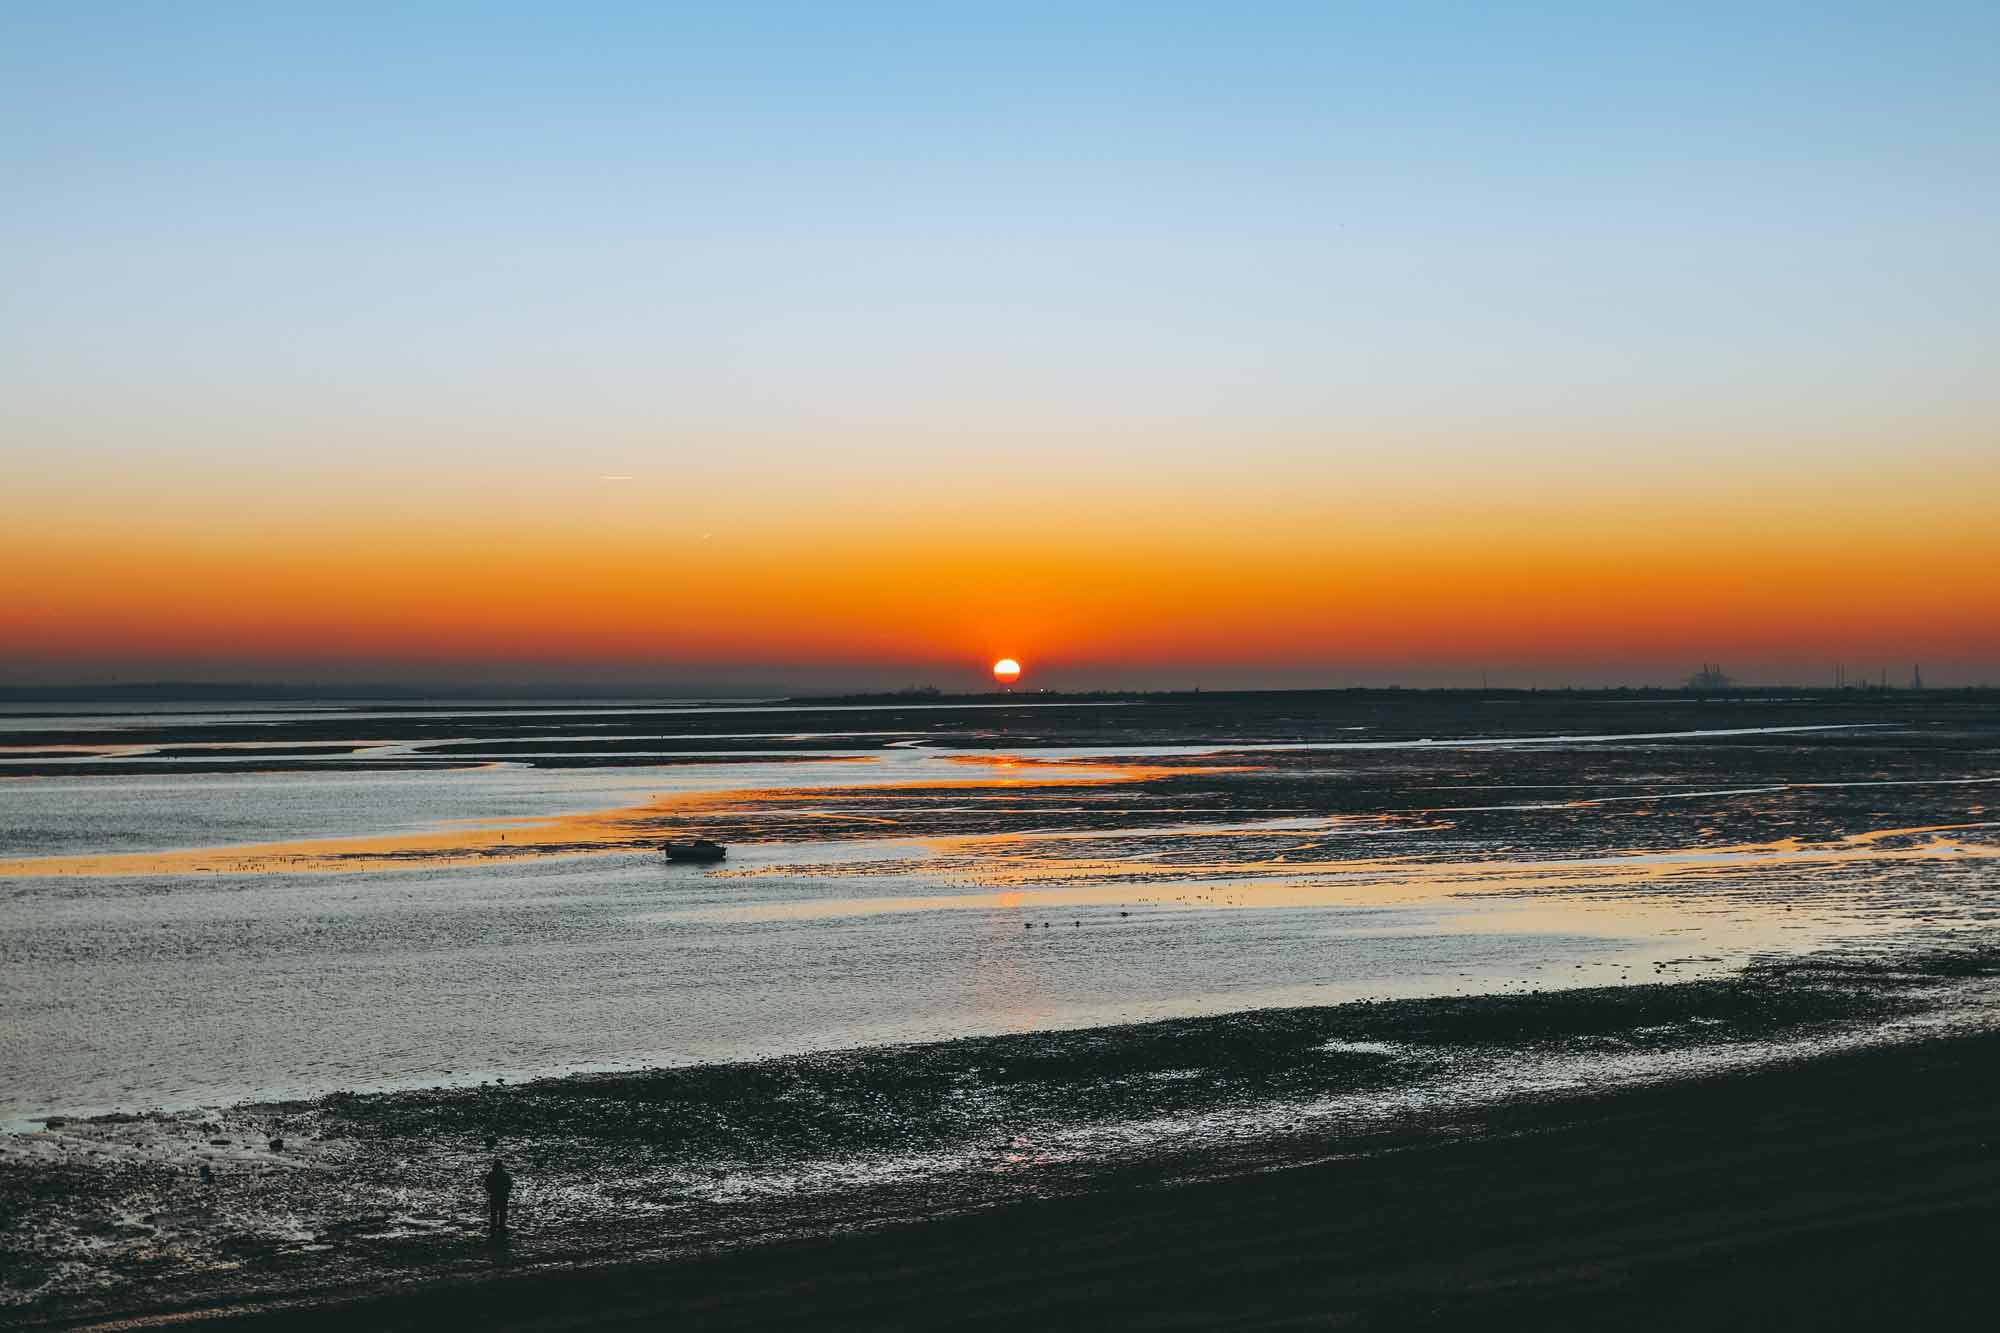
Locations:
(602, 735)
(921, 1097)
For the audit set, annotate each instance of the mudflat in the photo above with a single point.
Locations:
(1856, 1190)
(1322, 1009)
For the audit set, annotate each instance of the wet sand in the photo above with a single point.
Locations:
(374, 738)
(1437, 1115)
(1856, 1191)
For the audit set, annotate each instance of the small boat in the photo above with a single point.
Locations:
(701, 849)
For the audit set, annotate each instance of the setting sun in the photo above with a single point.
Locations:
(1006, 671)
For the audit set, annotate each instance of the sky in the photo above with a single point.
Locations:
(1155, 345)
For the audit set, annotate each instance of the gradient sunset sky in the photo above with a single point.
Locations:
(830, 345)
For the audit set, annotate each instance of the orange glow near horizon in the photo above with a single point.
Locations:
(1104, 575)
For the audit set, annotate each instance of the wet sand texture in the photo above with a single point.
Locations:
(372, 1193)
(1860, 1191)
(376, 738)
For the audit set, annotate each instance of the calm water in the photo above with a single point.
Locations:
(895, 889)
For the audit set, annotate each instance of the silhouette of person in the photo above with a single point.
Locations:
(499, 1185)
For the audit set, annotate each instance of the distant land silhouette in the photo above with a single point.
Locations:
(195, 691)
(185, 691)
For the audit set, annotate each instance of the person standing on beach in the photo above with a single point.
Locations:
(499, 1186)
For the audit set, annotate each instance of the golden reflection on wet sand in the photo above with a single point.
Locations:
(623, 829)
(998, 863)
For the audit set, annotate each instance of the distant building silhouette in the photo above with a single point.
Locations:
(1710, 677)
(1841, 680)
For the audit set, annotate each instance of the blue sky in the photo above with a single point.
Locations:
(789, 209)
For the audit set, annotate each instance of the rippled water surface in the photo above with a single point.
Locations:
(196, 907)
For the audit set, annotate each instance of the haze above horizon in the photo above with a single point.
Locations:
(848, 346)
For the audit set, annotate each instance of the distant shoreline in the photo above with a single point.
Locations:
(198, 692)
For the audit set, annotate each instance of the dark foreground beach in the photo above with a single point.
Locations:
(1856, 1191)
(1827, 1155)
